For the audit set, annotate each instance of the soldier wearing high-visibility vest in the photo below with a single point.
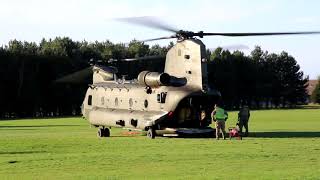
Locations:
(219, 116)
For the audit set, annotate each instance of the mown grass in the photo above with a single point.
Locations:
(285, 144)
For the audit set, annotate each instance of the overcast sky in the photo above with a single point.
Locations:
(93, 20)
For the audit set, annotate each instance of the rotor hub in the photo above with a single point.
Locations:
(181, 34)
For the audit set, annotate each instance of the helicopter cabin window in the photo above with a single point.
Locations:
(102, 100)
(179, 52)
(146, 103)
(161, 98)
(116, 102)
(158, 97)
(90, 100)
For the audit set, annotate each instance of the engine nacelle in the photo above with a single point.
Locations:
(153, 79)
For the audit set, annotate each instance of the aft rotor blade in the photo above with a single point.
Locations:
(258, 34)
(155, 39)
(148, 21)
(232, 47)
(144, 58)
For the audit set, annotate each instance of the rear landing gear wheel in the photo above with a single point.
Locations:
(106, 132)
(103, 132)
(100, 132)
(151, 133)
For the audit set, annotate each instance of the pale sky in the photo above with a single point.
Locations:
(92, 20)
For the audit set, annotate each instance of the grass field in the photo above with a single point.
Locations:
(285, 144)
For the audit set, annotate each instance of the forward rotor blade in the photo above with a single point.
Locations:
(107, 69)
(84, 76)
(79, 77)
(148, 21)
(258, 34)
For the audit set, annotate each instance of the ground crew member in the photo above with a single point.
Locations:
(243, 119)
(203, 122)
(219, 115)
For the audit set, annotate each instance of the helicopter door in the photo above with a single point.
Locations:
(87, 105)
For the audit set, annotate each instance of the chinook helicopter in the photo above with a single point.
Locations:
(167, 103)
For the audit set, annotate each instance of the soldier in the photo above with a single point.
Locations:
(243, 119)
(219, 116)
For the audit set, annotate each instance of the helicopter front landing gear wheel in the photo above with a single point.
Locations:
(103, 132)
(151, 133)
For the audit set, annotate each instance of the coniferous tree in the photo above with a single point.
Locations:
(315, 97)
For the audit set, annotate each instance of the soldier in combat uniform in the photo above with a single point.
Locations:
(243, 119)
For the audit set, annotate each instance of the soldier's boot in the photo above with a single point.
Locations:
(247, 130)
(217, 134)
(223, 134)
(246, 134)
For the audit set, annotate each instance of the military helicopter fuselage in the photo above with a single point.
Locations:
(154, 101)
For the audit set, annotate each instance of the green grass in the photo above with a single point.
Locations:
(285, 145)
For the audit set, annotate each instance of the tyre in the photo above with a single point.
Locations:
(100, 132)
(106, 132)
(151, 133)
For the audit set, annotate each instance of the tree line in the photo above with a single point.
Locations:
(28, 71)
(261, 79)
(315, 96)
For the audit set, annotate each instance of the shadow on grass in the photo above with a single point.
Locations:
(309, 107)
(18, 129)
(37, 118)
(21, 152)
(124, 136)
(36, 126)
(285, 134)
